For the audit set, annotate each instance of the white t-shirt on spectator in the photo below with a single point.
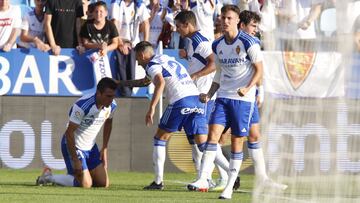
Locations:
(204, 16)
(129, 19)
(155, 26)
(34, 26)
(8, 20)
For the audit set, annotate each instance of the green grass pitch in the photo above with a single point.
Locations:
(19, 186)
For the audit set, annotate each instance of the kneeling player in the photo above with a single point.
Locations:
(86, 165)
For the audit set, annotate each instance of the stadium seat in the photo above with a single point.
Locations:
(328, 22)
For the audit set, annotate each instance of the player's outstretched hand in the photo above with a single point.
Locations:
(204, 98)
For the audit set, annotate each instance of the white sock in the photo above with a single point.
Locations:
(207, 161)
(196, 155)
(235, 165)
(257, 157)
(159, 155)
(211, 169)
(63, 180)
(222, 163)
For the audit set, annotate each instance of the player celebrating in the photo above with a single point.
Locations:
(240, 67)
(202, 70)
(184, 109)
(86, 166)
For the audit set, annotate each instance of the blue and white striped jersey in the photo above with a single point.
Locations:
(178, 81)
(197, 51)
(236, 69)
(90, 120)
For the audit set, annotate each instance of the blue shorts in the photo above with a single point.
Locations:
(90, 159)
(255, 116)
(187, 113)
(235, 114)
(209, 109)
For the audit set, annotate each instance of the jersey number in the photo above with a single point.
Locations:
(179, 69)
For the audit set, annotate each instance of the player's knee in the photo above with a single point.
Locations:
(254, 137)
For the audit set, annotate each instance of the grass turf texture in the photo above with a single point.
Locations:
(19, 186)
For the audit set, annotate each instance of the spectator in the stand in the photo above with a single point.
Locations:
(62, 23)
(90, 11)
(157, 16)
(168, 36)
(356, 31)
(32, 29)
(217, 27)
(86, 5)
(129, 16)
(251, 5)
(204, 11)
(99, 33)
(296, 24)
(10, 23)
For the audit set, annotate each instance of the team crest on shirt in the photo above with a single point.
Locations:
(77, 114)
(298, 66)
(238, 49)
(132, 13)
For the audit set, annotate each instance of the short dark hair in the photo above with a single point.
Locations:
(186, 17)
(100, 3)
(142, 46)
(247, 16)
(91, 7)
(230, 7)
(106, 83)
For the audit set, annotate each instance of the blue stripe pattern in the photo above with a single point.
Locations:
(211, 147)
(247, 40)
(165, 73)
(202, 146)
(166, 114)
(86, 104)
(237, 155)
(196, 39)
(200, 58)
(113, 106)
(253, 145)
(216, 43)
(159, 143)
